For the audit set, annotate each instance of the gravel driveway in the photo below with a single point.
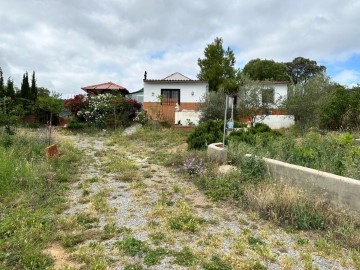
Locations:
(176, 226)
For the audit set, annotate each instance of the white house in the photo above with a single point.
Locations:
(174, 99)
(274, 93)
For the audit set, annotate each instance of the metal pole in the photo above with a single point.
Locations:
(226, 104)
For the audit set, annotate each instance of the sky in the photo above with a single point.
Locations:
(71, 44)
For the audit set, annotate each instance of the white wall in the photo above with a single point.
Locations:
(185, 116)
(152, 91)
(280, 92)
(276, 121)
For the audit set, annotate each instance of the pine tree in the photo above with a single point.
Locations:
(2, 87)
(25, 87)
(217, 67)
(33, 89)
(10, 91)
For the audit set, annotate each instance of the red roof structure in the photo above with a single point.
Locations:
(108, 87)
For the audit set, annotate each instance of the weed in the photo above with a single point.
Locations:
(86, 220)
(185, 257)
(154, 256)
(157, 238)
(70, 240)
(131, 246)
(185, 222)
(111, 230)
(216, 263)
(93, 255)
(147, 174)
(176, 188)
(133, 267)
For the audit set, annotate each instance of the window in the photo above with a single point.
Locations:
(170, 96)
(268, 96)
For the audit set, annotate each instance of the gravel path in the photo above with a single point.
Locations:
(146, 206)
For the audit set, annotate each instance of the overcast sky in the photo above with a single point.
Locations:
(75, 43)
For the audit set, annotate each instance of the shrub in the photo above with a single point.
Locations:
(206, 133)
(76, 124)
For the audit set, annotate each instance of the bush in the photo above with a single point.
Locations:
(75, 124)
(206, 133)
(260, 133)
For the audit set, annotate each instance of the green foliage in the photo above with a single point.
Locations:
(75, 124)
(217, 65)
(2, 85)
(228, 186)
(157, 238)
(213, 106)
(259, 133)
(133, 267)
(131, 246)
(260, 70)
(25, 92)
(206, 133)
(306, 217)
(185, 257)
(253, 168)
(154, 256)
(304, 100)
(29, 194)
(185, 222)
(301, 69)
(250, 97)
(216, 263)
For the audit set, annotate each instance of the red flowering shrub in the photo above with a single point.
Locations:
(76, 104)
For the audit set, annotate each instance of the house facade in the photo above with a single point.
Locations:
(274, 94)
(175, 98)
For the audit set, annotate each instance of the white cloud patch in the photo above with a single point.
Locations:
(348, 77)
(75, 43)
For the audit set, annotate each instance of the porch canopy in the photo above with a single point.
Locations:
(108, 87)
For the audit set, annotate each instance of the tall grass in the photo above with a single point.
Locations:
(30, 194)
(333, 153)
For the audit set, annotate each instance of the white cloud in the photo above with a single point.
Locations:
(348, 77)
(72, 44)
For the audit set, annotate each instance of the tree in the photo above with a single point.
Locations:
(260, 70)
(33, 89)
(333, 106)
(250, 98)
(42, 91)
(25, 87)
(52, 104)
(304, 100)
(217, 65)
(351, 117)
(213, 106)
(10, 91)
(2, 86)
(301, 69)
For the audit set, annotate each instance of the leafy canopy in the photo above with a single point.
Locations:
(217, 66)
(261, 70)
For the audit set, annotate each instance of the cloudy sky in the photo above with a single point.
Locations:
(74, 43)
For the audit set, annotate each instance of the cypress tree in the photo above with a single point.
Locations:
(2, 87)
(33, 89)
(25, 87)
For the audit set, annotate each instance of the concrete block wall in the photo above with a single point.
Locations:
(340, 190)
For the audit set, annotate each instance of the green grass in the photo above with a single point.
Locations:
(31, 192)
(185, 257)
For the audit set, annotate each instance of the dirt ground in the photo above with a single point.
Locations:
(119, 194)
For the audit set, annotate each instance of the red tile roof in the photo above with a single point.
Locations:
(106, 86)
